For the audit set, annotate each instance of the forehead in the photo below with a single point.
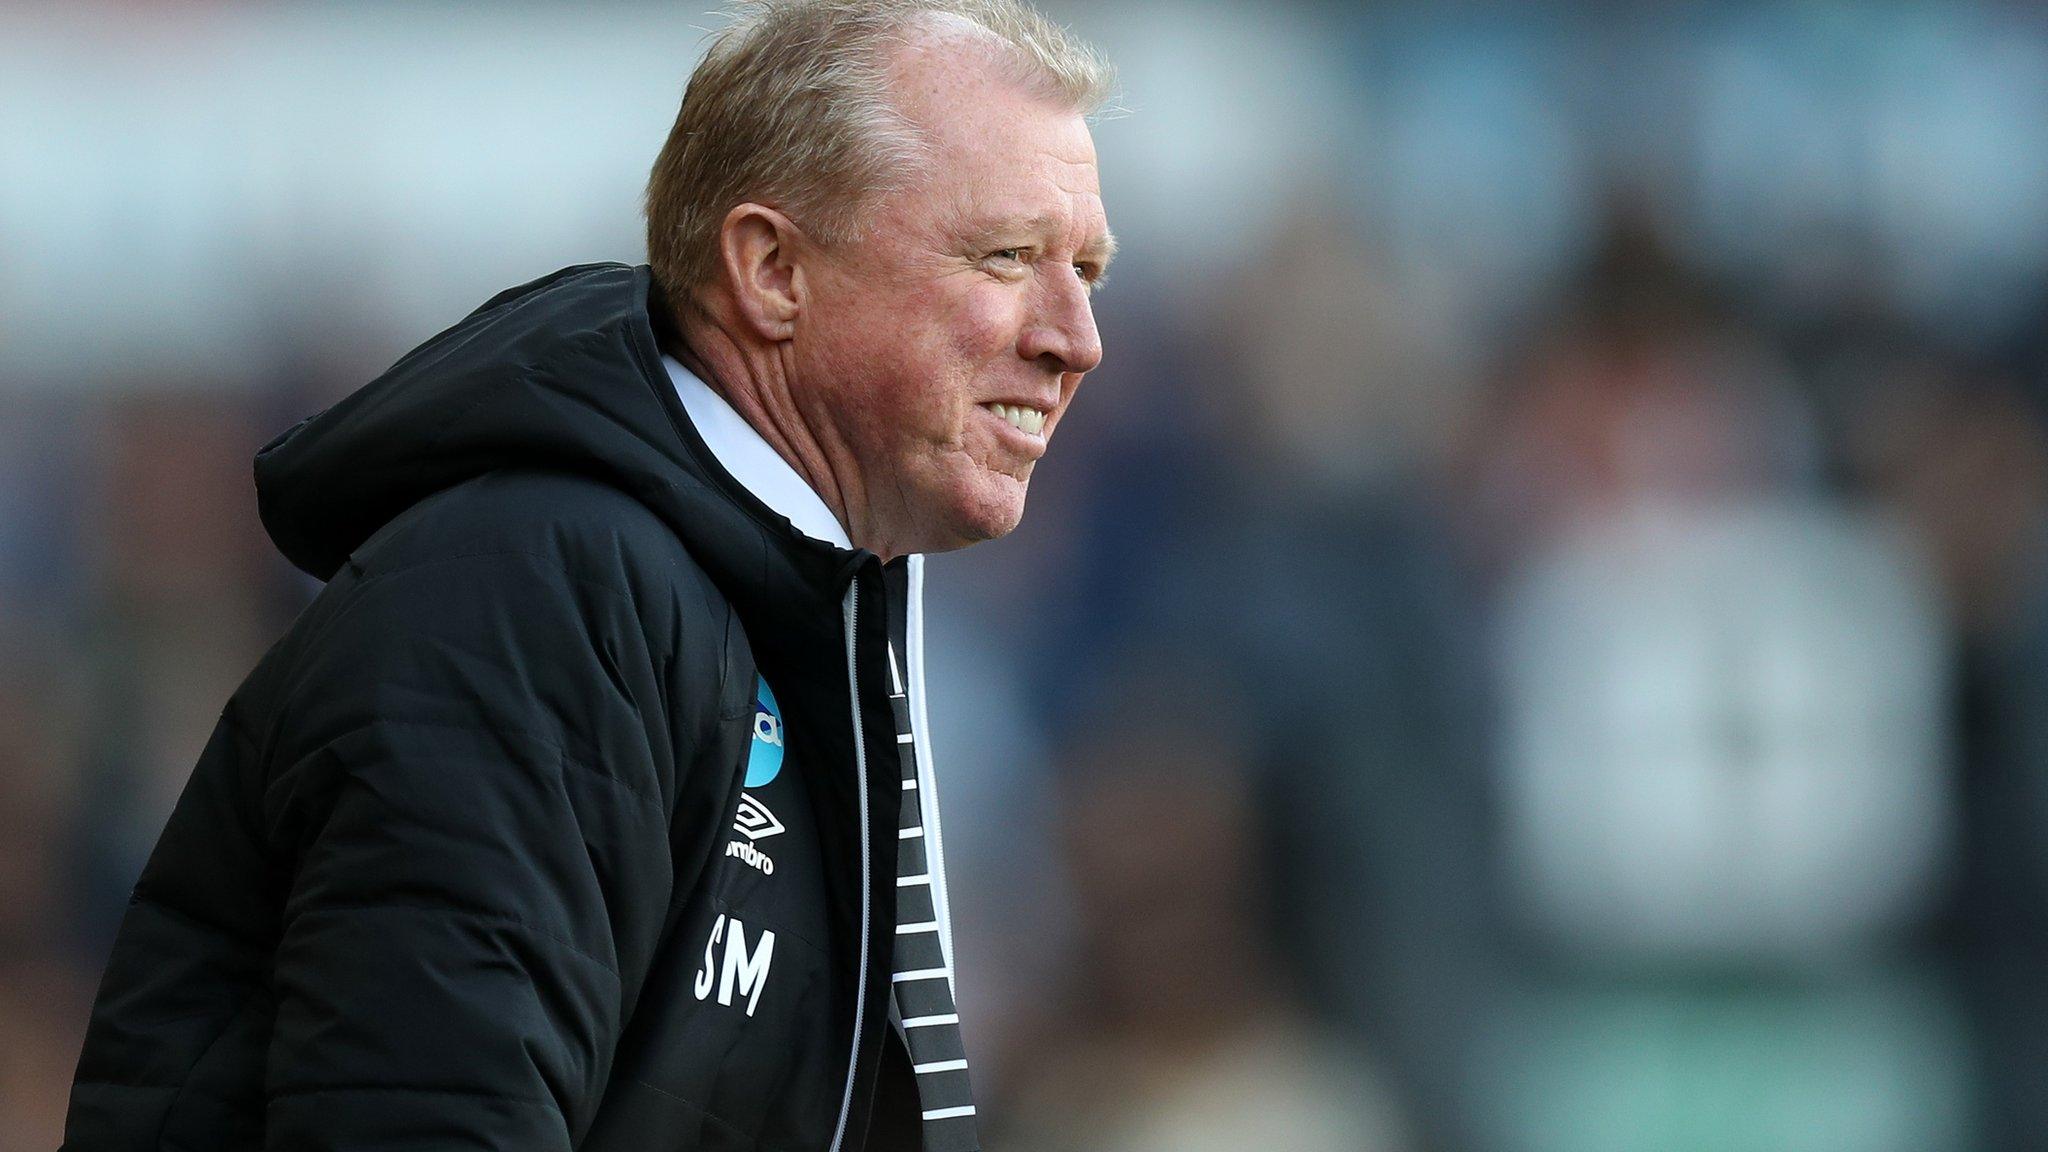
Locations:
(998, 149)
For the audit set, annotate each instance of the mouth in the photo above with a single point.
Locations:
(1024, 418)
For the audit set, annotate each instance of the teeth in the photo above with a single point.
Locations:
(1028, 420)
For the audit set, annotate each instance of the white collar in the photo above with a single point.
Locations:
(753, 462)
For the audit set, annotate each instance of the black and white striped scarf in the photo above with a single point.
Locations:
(920, 976)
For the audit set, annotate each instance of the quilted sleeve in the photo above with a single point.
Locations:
(469, 799)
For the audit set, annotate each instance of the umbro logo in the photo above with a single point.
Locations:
(754, 820)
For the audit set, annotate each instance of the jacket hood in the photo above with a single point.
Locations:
(563, 374)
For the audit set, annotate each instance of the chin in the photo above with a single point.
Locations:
(986, 512)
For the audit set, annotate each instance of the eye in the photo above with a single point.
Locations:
(1007, 264)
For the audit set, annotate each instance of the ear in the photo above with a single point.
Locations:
(759, 249)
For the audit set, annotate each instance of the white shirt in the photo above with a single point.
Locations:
(751, 460)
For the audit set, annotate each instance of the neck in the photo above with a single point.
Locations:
(755, 380)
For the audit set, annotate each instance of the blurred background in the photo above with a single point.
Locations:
(1535, 640)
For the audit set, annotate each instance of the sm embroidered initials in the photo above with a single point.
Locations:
(740, 970)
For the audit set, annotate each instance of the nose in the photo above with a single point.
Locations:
(1061, 330)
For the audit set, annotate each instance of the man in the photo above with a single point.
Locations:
(590, 804)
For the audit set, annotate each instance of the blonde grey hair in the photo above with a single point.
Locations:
(790, 107)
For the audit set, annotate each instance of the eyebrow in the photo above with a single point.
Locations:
(1100, 248)
(1103, 248)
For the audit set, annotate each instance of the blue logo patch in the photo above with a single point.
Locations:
(764, 759)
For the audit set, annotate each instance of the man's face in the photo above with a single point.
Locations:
(936, 353)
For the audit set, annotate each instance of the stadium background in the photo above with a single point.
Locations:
(1535, 640)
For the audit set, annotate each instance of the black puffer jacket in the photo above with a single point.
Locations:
(467, 862)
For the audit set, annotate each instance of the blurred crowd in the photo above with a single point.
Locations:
(1504, 657)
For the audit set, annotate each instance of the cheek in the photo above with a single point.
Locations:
(951, 363)
(910, 370)
(853, 347)
(991, 324)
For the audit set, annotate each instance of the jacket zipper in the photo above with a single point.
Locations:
(860, 763)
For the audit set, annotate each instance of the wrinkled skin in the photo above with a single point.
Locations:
(968, 287)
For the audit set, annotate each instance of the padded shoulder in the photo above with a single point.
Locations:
(560, 515)
(586, 528)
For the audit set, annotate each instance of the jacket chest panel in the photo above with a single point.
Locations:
(747, 1019)
(763, 1022)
